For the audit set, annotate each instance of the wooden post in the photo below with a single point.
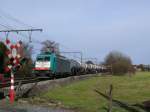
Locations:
(18, 89)
(112, 69)
(110, 98)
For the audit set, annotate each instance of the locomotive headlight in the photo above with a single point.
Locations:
(46, 64)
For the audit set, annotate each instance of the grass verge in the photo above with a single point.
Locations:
(80, 95)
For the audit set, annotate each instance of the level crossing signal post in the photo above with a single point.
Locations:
(14, 58)
(14, 61)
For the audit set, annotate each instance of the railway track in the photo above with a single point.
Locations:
(26, 80)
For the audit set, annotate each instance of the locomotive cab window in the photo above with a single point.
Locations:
(47, 59)
(39, 59)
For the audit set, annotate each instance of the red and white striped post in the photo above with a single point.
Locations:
(12, 91)
(12, 53)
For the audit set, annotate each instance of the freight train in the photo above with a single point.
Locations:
(52, 65)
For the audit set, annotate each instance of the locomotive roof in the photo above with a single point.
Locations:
(49, 53)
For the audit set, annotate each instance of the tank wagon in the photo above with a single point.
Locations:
(52, 65)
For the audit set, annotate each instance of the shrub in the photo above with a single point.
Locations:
(120, 63)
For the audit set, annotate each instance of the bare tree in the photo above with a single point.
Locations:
(25, 50)
(50, 46)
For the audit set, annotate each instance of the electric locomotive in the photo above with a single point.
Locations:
(52, 65)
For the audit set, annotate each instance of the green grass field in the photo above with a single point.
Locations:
(80, 95)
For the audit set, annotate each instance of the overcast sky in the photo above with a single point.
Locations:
(94, 27)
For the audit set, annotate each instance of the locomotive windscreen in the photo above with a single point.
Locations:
(43, 58)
